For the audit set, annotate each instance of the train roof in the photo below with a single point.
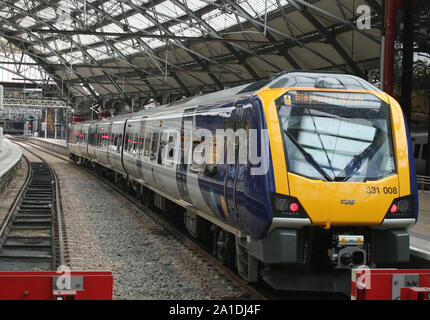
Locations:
(306, 79)
(320, 80)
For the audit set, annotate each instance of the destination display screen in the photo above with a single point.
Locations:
(355, 99)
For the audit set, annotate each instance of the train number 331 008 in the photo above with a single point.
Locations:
(385, 190)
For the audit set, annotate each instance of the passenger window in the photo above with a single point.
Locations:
(134, 144)
(142, 138)
(113, 139)
(154, 146)
(119, 143)
(126, 142)
(195, 165)
(166, 153)
(147, 144)
(211, 169)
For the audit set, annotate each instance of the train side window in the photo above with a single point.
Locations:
(126, 141)
(211, 169)
(113, 141)
(131, 143)
(147, 143)
(104, 141)
(108, 140)
(142, 134)
(198, 167)
(166, 142)
(417, 151)
(425, 151)
(119, 143)
(134, 144)
(140, 144)
(154, 146)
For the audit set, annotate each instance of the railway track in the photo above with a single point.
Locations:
(31, 237)
(249, 291)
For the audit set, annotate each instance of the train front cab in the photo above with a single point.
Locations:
(345, 190)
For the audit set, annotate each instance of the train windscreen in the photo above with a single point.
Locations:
(336, 136)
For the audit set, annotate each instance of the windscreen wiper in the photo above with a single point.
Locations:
(321, 142)
(355, 164)
(308, 157)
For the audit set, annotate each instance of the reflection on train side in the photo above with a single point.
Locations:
(420, 144)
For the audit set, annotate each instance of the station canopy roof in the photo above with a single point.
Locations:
(183, 47)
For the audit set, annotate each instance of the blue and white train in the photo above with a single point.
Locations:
(339, 190)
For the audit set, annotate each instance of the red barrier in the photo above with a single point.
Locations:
(390, 284)
(73, 285)
(415, 294)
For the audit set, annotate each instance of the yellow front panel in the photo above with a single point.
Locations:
(340, 203)
(268, 98)
(400, 148)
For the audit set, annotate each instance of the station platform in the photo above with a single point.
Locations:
(57, 145)
(60, 142)
(10, 156)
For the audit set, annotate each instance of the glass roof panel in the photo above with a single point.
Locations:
(27, 22)
(138, 21)
(47, 14)
(18, 67)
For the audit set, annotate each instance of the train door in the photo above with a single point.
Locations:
(186, 141)
(234, 148)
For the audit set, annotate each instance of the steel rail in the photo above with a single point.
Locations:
(57, 225)
(184, 238)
